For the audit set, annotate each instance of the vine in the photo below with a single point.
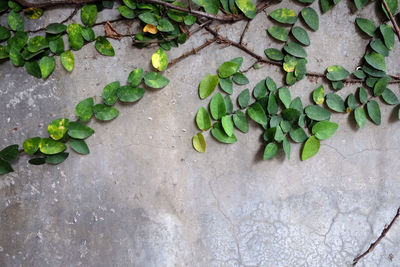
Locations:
(166, 24)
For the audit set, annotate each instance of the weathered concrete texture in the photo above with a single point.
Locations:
(144, 197)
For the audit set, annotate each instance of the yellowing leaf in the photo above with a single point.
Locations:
(159, 60)
(199, 143)
(150, 29)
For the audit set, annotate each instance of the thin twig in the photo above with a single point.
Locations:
(246, 28)
(396, 27)
(383, 234)
(53, 3)
(191, 52)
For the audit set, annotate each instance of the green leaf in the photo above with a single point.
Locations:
(257, 114)
(227, 125)
(237, 60)
(189, 20)
(126, 12)
(109, 93)
(272, 106)
(203, 119)
(149, 18)
(209, 6)
(33, 68)
(335, 102)
(248, 8)
(388, 35)
(291, 114)
(284, 96)
(14, 6)
(270, 151)
(360, 74)
(284, 15)
(244, 98)
(84, 109)
(295, 50)
(79, 146)
(225, 84)
(271, 85)
(135, 77)
(37, 161)
(15, 21)
(105, 113)
(57, 128)
(5, 167)
(279, 33)
(324, 129)
(319, 95)
(227, 69)
(371, 81)
(79, 131)
(310, 17)
(300, 35)
(286, 147)
(360, 117)
(56, 28)
(260, 90)
(49, 146)
(67, 60)
(4, 33)
(351, 103)
(298, 135)
(362, 95)
(360, 3)
(164, 25)
(47, 65)
(378, 46)
(228, 104)
(9, 153)
(373, 72)
(336, 73)
(88, 34)
(317, 113)
(130, 94)
(89, 14)
(130, 3)
(326, 5)
(366, 26)
(16, 58)
(104, 47)
(18, 41)
(33, 13)
(207, 85)
(274, 54)
(219, 134)
(159, 60)
(155, 80)
(57, 159)
(57, 46)
(31, 145)
(217, 106)
(75, 38)
(376, 60)
(240, 78)
(374, 112)
(240, 121)
(310, 148)
(199, 143)
(380, 85)
(389, 97)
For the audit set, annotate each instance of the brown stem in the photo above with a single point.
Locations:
(373, 245)
(53, 3)
(246, 28)
(396, 27)
(191, 52)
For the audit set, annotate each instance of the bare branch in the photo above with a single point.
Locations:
(383, 234)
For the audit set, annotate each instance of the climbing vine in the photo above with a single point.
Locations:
(166, 24)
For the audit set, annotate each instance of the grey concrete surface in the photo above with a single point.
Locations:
(144, 197)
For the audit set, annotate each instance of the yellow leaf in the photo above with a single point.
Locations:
(199, 143)
(150, 28)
